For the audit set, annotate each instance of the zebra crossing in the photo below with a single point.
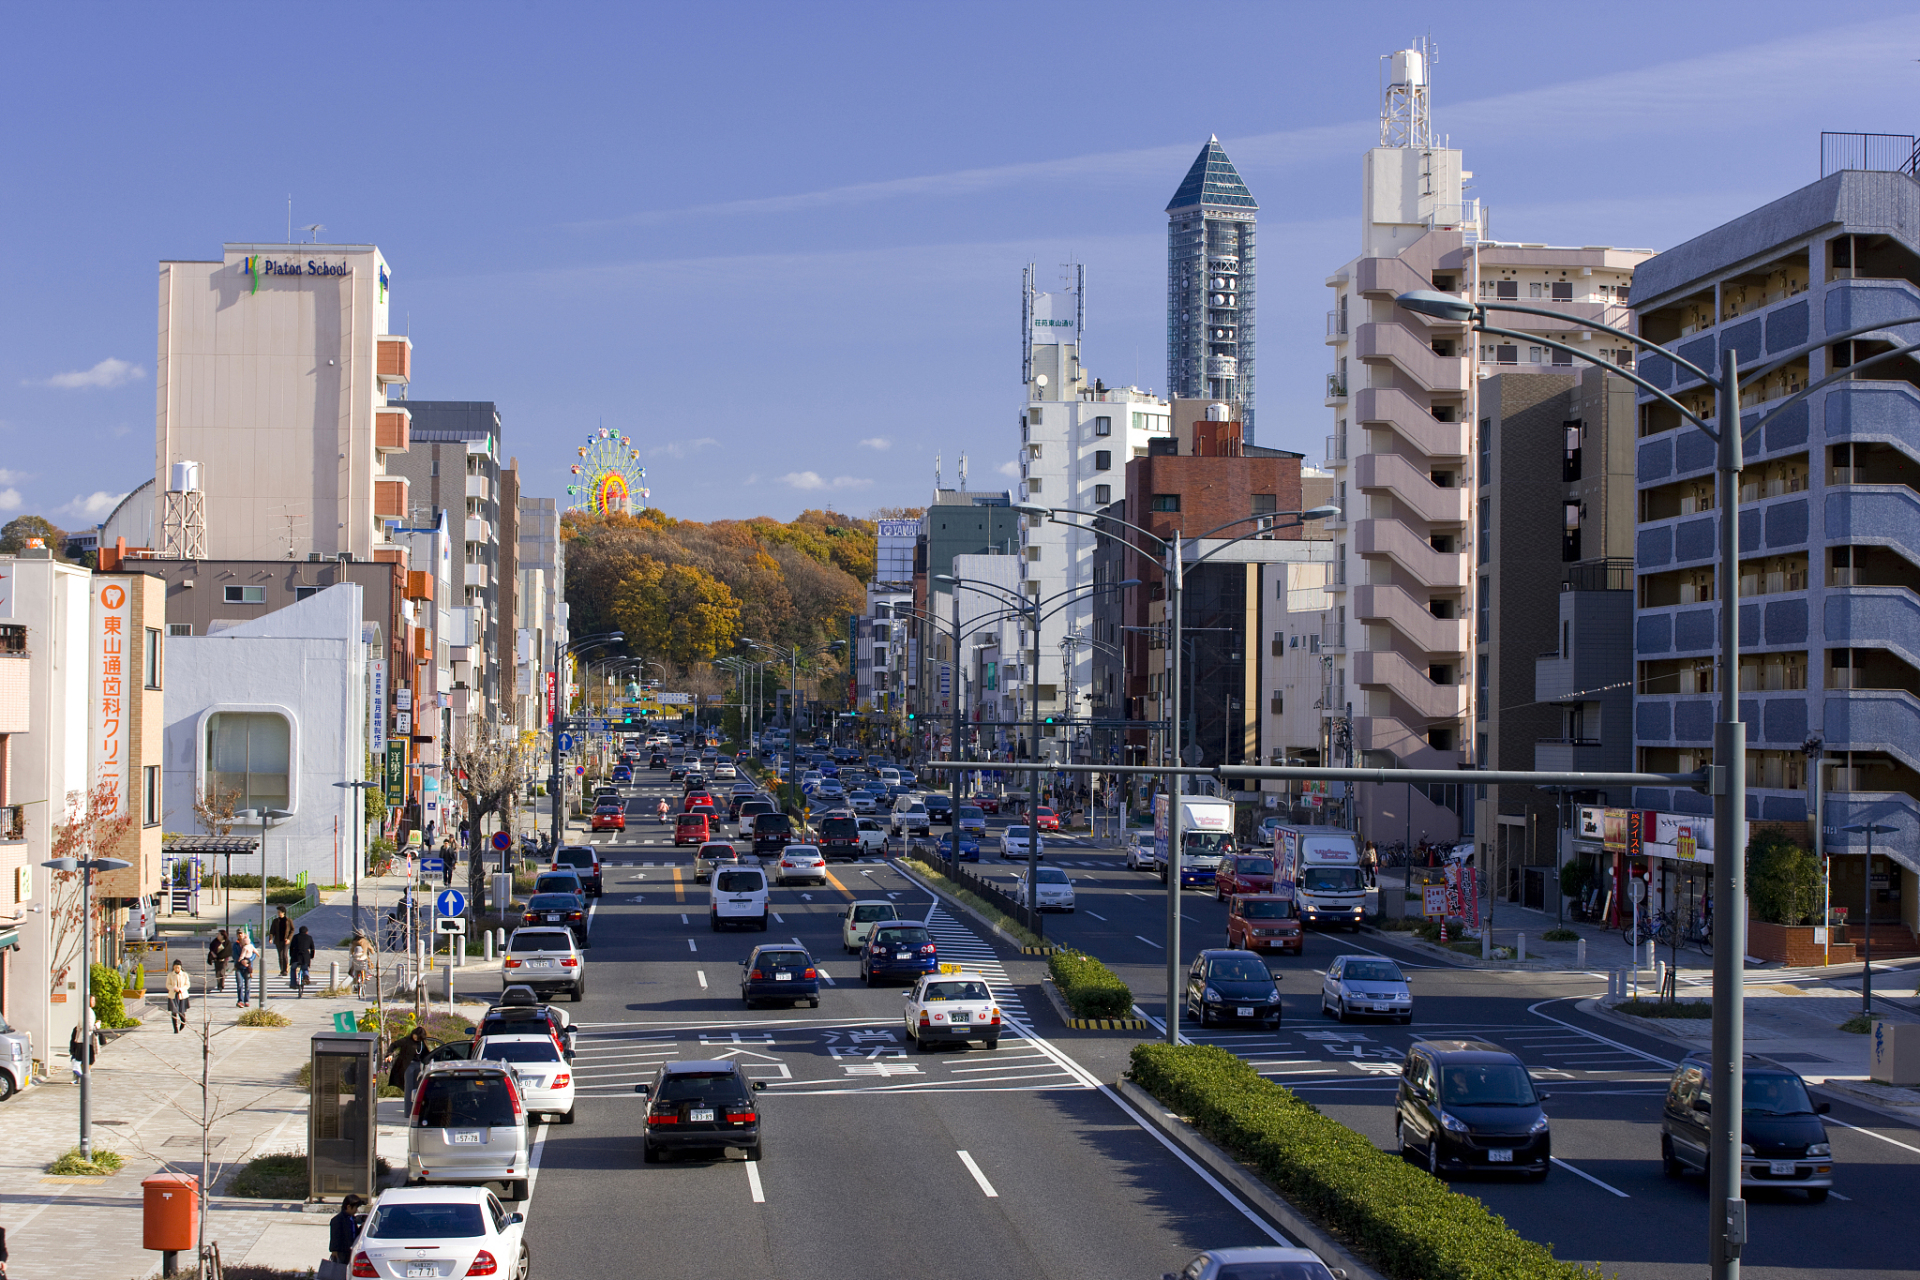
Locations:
(957, 944)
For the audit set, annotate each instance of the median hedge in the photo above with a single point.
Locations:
(1404, 1219)
(1090, 989)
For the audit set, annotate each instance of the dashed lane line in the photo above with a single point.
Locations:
(978, 1176)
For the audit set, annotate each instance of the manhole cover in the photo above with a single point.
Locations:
(190, 1140)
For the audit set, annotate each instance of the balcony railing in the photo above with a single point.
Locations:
(1336, 324)
(13, 822)
(1615, 573)
(1336, 448)
(1336, 389)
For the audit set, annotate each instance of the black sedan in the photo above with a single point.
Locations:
(779, 971)
(700, 1105)
(569, 909)
(1232, 986)
(1466, 1106)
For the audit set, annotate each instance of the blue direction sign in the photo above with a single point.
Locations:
(451, 902)
(598, 726)
(566, 742)
(432, 864)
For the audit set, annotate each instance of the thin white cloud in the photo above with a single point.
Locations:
(95, 506)
(814, 480)
(681, 448)
(11, 477)
(1009, 468)
(9, 499)
(108, 373)
(875, 442)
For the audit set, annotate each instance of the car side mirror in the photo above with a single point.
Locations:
(567, 1054)
(1542, 1096)
(514, 1219)
(759, 1086)
(1822, 1108)
(1702, 1104)
(643, 1089)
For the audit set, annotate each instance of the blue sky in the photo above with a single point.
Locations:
(780, 244)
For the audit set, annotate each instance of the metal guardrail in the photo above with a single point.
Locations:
(980, 885)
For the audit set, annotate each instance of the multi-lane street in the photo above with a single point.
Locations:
(881, 1160)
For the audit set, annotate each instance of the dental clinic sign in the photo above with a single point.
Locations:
(110, 669)
(256, 265)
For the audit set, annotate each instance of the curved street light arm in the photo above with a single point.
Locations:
(1747, 433)
(1712, 432)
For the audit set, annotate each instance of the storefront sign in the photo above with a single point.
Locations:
(111, 665)
(396, 773)
(257, 265)
(377, 708)
(1684, 837)
(1589, 823)
(552, 679)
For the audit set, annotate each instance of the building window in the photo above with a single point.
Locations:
(1563, 291)
(1564, 358)
(1165, 502)
(1506, 354)
(1034, 416)
(1103, 426)
(179, 628)
(150, 795)
(249, 753)
(1103, 460)
(244, 595)
(1506, 290)
(303, 593)
(1102, 494)
(1264, 504)
(152, 657)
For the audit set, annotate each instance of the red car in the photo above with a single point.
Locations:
(1045, 819)
(1243, 873)
(696, 798)
(986, 804)
(1264, 922)
(690, 828)
(610, 817)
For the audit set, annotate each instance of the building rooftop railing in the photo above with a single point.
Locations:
(1614, 573)
(1883, 152)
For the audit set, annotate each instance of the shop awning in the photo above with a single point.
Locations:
(9, 936)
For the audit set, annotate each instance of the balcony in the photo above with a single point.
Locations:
(1336, 450)
(479, 530)
(1426, 433)
(1388, 277)
(1411, 488)
(392, 430)
(1336, 387)
(1413, 553)
(390, 499)
(478, 575)
(419, 585)
(395, 359)
(479, 487)
(1408, 684)
(13, 823)
(1336, 325)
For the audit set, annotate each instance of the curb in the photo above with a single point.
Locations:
(1040, 951)
(1087, 1024)
(958, 905)
(1245, 1182)
(1414, 942)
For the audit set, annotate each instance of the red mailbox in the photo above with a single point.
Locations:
(171, 1222)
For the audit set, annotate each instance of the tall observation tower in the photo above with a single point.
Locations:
(1210, 286)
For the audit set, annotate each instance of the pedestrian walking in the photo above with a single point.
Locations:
(76, 1047)
(244, 961)
(179, 995)
(405, 1054)
(300, 952)
(359, 959)
(280, 931)
(345, 1229)
(219, 955)
(449, 855)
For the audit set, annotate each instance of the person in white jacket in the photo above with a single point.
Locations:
(179, 993)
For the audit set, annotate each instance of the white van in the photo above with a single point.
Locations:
(889, 775)
(739, 897)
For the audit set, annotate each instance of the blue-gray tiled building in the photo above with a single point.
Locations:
(1829, 590)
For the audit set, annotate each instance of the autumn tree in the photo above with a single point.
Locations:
(16, 533)
(97, 823)
(680, 612)
(488, 767)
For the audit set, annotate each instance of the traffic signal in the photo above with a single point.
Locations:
(909, 715)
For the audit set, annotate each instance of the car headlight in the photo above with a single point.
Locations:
(1346, 992)
(1210, 995)
(1452, 1124)
(1821, 1149)
(1540, 1125)
(1746, 1148)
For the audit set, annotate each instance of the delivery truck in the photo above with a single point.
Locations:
(1323, 865)
(1206, 826)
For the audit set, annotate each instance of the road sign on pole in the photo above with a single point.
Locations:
(566, 742)
(451, 902)
(501, 840)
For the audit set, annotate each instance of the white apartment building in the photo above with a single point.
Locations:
(1403, 397)
(1076, 437)
(273, 372)
(540, 608)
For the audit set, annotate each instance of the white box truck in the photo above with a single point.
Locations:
(1206, 826)
(1323, 863)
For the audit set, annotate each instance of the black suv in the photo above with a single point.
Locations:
(700, 1105)
(1783, 1144)
(939, 807)
(1469, 1106)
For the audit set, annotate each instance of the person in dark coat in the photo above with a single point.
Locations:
(76, 1047)
(280, 932)
(300, 955)
(403, 1055)
(219, 953)
(344, 1229)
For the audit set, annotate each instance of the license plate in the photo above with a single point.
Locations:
(1780, 1168)
(466, 1139)
(700, 1114)
(539, 964)
(553, 916)
(417, 1270)
(1501, 1155)
(904, 955)
(960, 1019)
(783, 977)
(1244, 1011)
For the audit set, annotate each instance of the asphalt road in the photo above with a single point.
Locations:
(864, 1173)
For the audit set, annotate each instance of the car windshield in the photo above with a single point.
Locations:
(1254, 866)
(711, 851)
(554, 902)
(541, 940)
(738, 882)
(1775, 1095)
(1050, 875)
(556, 884)
(1017, 833)
(1275, 1271)
(772, 824)
(1267, 910)
(781, 960)
(1330, 879)
(520, 1050)
(969, 812)
(1486, 1084)
(425, 1222)
(691, 820)
(609, 807)
(1373, 971)
(718, 1086)
(957, 991)
(839, 828)
(465, 1102)
(1208, 844)
(574, 858)
(1238, 969)
(868, 914)
(915, 937)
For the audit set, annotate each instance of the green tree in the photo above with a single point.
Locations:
(15, 534)
(1783, 880)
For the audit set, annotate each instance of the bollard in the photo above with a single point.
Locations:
(1659, 975)
(1649, 945)
(1520, 952)
(333, 975)
(489, 946)
(503, 939)
(1580, 954)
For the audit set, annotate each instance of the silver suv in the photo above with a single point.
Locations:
(469, 1125)
(546, 959)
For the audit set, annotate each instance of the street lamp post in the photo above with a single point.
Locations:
(1871, 829)
(86, 867)
(1175, 574)
(267, 820)
(1727, 1224)
(355, 789)
(556, 785)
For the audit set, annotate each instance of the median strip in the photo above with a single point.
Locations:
(1087, 995)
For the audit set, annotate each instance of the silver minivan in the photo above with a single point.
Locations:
(16, 1060)
(469, 1125)
(546, 959)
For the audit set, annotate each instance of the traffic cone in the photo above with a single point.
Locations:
(1443, 931)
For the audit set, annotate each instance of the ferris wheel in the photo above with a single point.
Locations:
(608, 477)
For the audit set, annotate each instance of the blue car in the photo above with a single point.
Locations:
(779, 971)
(969, 846)
(622, 773)
(898, 951)
(1191, 877)
(829, 769)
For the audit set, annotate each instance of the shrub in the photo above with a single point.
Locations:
(264, 1018)
(279, 1176)
(1409, 1223)
(1575, 876)
(1665, 1008)
(109, 1002)
(75, 1165)
(1090, 989)
(1783, 880)
(1859, 1024)
(1559, 935)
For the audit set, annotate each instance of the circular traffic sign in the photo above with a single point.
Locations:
(451, 902)
(1193, 755)
(501, 840)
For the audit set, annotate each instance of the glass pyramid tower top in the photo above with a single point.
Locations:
(1212, 182)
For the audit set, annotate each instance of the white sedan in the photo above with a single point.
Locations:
(950, 1008)
(801, 862)
(724, 772)
(1053, 890)
(1017, 842)
(542, 1071)
(441, 1231)
(1141, 855)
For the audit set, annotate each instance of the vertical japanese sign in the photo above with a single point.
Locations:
(552, 684)
(377, 709)
(396, 773)
(109, 667)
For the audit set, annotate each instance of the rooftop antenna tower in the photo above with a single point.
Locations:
(936, 473)
(1026, 324)
(963, 473)
(1406, 112)
(313, 230)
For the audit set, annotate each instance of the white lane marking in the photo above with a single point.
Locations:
(1871, 1134)
(692, 945)
(825, 976)
(1589, 1177)
(702, 975)
(533, 1165)
(1837, 1196)
(1097, 916)
(753, 1182)
(683, 919)
(778, 920)
(1150, 942)
(978, 1176)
